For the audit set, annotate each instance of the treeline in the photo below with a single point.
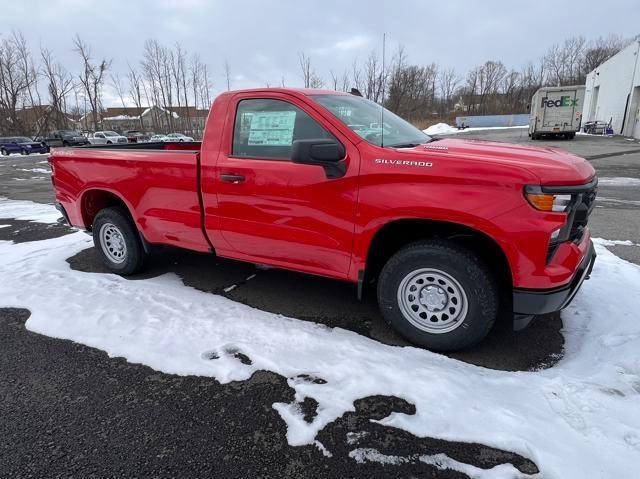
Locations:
(423, 92)
(166, 76)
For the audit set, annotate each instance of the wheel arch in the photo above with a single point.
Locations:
(95, 199)
(394, 235)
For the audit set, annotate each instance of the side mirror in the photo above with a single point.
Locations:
(322, 152)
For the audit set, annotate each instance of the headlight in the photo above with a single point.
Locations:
(558, 203)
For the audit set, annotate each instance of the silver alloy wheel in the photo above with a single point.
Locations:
(432, 300)
(112, 242)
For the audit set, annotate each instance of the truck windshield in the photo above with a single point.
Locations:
(366, 119)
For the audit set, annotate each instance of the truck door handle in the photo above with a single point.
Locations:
(232, 178)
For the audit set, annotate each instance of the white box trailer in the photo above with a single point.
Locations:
(556, 111)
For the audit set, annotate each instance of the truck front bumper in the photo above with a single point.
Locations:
(529, 302)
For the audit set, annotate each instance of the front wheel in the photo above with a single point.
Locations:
(4, 152)
(23, 152)
(438, 295)
(117, 241)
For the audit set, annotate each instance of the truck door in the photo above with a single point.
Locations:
(275, 211)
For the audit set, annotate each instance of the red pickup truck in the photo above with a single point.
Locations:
(331, 184)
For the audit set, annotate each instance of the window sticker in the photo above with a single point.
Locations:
(272, 128)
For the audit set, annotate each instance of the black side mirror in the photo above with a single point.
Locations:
(322, 152)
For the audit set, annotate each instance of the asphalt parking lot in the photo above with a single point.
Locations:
(71, 410)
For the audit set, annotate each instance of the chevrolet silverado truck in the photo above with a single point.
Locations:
(449, 232)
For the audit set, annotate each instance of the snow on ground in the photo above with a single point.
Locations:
(618, 181)
(440, 461)
(35, 170)
(28, 211)
(444, 129)
(580, 418)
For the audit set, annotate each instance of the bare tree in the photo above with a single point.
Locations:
(334, 80)
(489, 77)
(116, 83)
(356, 75)
(91, 78)
(15, 83)
(135, 90)
(227, 75)
(309, 76)
(448, 81)
(59, 86)
(600, 50)
(29, 70)
(156, 67)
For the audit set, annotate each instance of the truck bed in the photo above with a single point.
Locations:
(158, 181)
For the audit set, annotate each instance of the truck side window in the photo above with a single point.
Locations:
(267, 128)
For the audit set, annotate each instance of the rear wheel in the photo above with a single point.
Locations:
(117, 241)
(438, 295)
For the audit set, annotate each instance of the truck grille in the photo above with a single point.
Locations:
(582, 209)
(582, 204)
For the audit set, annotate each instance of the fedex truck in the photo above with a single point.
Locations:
(556, 111)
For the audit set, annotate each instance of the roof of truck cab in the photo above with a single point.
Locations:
(300, 91)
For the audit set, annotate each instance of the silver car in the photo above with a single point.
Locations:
(107, 138)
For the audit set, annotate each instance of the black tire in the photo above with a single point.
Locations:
(133, 254)
(478, 287)
(534, 136)
(23, 152)
(4, 152)
(571, 136)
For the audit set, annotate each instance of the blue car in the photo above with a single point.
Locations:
(22, 145)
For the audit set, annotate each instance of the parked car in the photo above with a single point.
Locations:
(452, 232)
(22, 145)
(156, 138)
(107, 138)
(65, 138)
(178, 137)
(136, 136)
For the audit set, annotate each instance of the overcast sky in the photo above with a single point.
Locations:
(261, 40)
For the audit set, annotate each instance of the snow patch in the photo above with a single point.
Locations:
(35, 170)
(618, 243)
(325, 452)
(445, 129)
(618, 181)
(440, 129)
(567, 419)
(28, 211)
(440, 461)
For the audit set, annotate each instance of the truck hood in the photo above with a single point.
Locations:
(553, 166)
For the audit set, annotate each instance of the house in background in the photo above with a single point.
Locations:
(189, 120)
(613, 92)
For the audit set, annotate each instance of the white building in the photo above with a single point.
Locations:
(613, 92)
